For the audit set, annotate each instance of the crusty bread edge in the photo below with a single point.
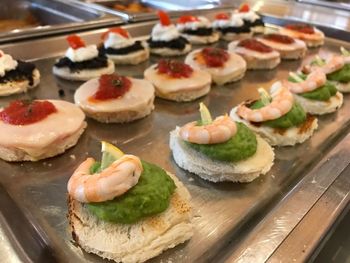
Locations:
(55, 148)
(147, 252)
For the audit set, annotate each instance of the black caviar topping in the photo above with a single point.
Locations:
(23, 71)
(202, 31)
(178, 43)
(99, 62)
(137, 46)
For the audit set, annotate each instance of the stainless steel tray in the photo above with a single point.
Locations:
(175, 9)
(49, 17)
(33, 195)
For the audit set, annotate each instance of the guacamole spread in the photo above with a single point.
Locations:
(322, 93)
(294, 117)
(150, 196)
(341, 75)
(241, 146)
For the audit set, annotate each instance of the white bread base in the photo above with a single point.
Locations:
(291, 136)
(234, 36)
(135, 242)
(201, 40)
(314, 43)
(56, 148)
(184, 95)
(217, 171)
(320, 107)
(292, 55)
(121, 116)
(258, 29)
(132, 58)
(83, 75)
(341, 87)
(14, 87)
(169, 52)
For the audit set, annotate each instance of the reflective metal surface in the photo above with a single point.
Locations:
(224, 212)
(44, 17)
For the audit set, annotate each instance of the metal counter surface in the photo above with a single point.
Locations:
(33, 201)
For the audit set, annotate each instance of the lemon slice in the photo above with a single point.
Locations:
(110, 153)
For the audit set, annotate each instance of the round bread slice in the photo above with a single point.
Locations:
(170, 52)
(134, 104)
(132, 58)
(216, 171)
(281, 137)
(129, 243)
(83, 75)
(21, 86)
(318, 107)
(46, 138)
(291, 51)
(201, 40)
(254, 59)
(342, 87)
(233, 69)
(179, 89)
(309, 39)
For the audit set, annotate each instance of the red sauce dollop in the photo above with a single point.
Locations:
(303, 28)
(222, 16)
(23, 112)
(75, 41)
(279, 38)
(111, 86)
(164, 18)
(244, 8)
(174, 68)
(255, 45)
(213, 57)
(116, 30)
(187, 19)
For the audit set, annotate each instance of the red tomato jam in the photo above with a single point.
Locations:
(279, 38)
(187, 19)
(303, 28)
(75, 41)
(174, 68)
(23, 112)
(214, 57)
(222, 16)
(255, 45)
(111, 86)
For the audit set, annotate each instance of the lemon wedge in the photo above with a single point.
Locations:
(110, 153)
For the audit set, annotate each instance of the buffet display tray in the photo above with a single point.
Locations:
(44, 17)
(33, 195)
(174, 9)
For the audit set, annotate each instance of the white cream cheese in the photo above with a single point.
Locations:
(202, 22)
(117, 41)
(164, 33)
(250, 16)
(82, 54)
(7, 63)
(234, 21)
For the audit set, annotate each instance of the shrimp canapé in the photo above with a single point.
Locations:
(313, 81)
(220, 130)
(281, 103)
(111, 182)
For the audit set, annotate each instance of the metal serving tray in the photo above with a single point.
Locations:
(50, 16)
(175, 9)
(33, 195)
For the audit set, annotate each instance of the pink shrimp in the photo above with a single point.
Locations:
(313, 81)
(333, 64)
(113, 181)
(220, 130)
(282, 102)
